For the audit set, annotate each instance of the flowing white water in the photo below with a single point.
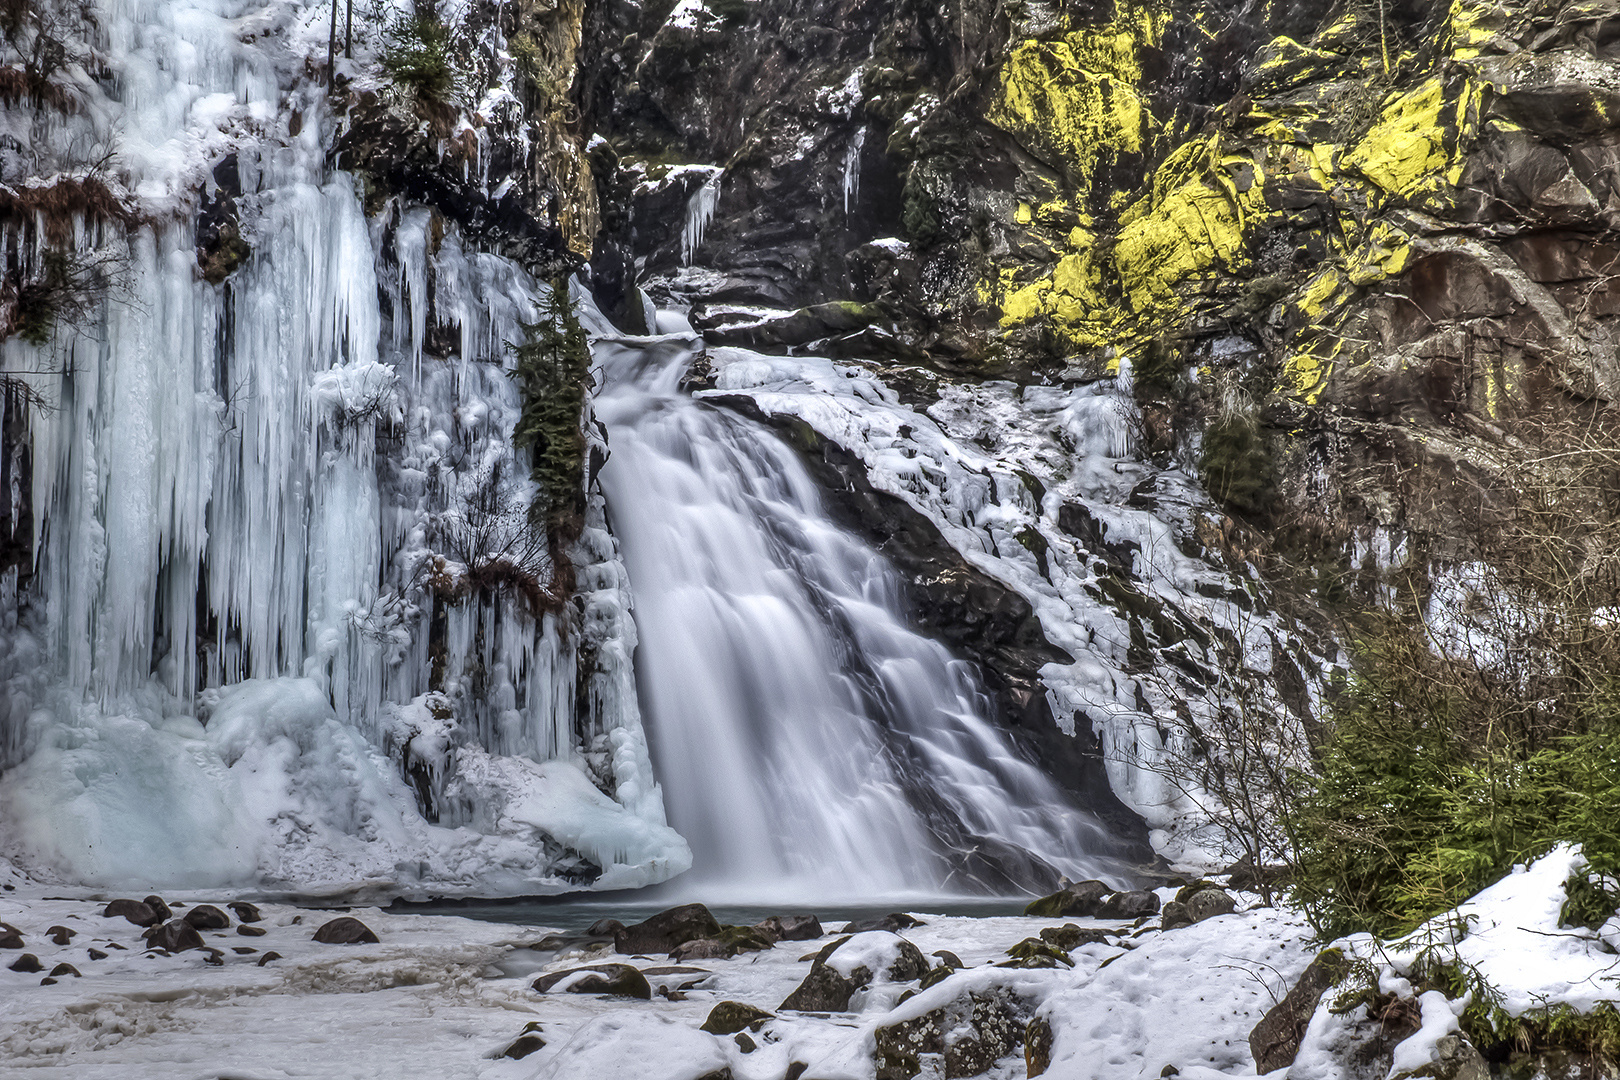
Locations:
(809, 743)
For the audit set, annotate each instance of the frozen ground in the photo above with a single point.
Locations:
(442, 997)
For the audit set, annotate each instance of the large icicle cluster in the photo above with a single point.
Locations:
(254, 651)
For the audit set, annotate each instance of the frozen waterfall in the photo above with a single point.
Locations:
(810, 744)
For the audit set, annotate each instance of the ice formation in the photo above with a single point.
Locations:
(277, 470)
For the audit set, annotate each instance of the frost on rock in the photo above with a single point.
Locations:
(282, 629)
(1042, 488)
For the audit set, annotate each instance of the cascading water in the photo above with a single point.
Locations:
(810, 743)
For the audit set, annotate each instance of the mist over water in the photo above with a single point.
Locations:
(809, 744)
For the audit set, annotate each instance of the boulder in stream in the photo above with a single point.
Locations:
(345, 930)
(176, 935)
(615, 980)
(136, 911)
(1080, 901)
(664, 931)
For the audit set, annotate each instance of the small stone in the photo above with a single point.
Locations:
(97, 954)
(730, 1017)
(1174, 915)
(115, 945)
(345, 930)
(615, 980)
(744, 1043)
(136, 911)
(604, 928)
(214, 957)
(267, 957)
(208, 917)
(243, 950)
(10, 937)
(252, 931)
(702, 949)
(951, 960)
(895, 920)
(47, 981)
(791, 927)
(176, 935)
(1128, 905)
(157, 905)
(1208, 903)
(65, 969)
(60, 935)
(1080, 900)
(523, 1046)
(27, 963)
(244, 911)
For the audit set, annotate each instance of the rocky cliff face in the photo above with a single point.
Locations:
(1357, 255)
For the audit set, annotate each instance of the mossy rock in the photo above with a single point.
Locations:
(730, 1017)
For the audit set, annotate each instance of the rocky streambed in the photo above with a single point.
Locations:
(93, 987)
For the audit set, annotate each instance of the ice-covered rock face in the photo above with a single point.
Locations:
(255, 649)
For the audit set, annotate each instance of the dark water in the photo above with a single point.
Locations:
(572, 914)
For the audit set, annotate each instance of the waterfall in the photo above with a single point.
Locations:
(810, 744)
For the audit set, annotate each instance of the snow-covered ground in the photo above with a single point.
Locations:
(443, 997)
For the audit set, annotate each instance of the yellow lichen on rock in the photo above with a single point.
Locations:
(1413, 148)
(1077, 99)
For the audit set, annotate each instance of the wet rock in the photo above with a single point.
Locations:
(828, 989)
(60, 935)
(213, 957)
(1069, 937)
(746, 939)
(208, 917)
(523, 1046)
(604, 928)
(1174, 915)
(243, 950)
(675, 977)
(744, 1043)
(136, 911)
(10, 937)
(983, 1027)
(948, 958)
(244, 911)
(64, 969)
(1035, 953)
(269, 956)
(176, 935)
(702, 949)
(251, 931)
(1037, 1047)
(790, 927)
(664, 931)
(1080, 900)
(1128, 905)
(616, 980)
(97, 954)
(47, 981)
(730, 1017)
(160, 908)
(1208, 903)
(895, 920)
(345, 930)
(823, 990)
(1275, 1039)
(27, 963)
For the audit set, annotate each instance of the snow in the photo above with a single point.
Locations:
(1439, 1019)
(444, 996)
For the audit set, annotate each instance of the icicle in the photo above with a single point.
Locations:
(699, 212)
(852, 168)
